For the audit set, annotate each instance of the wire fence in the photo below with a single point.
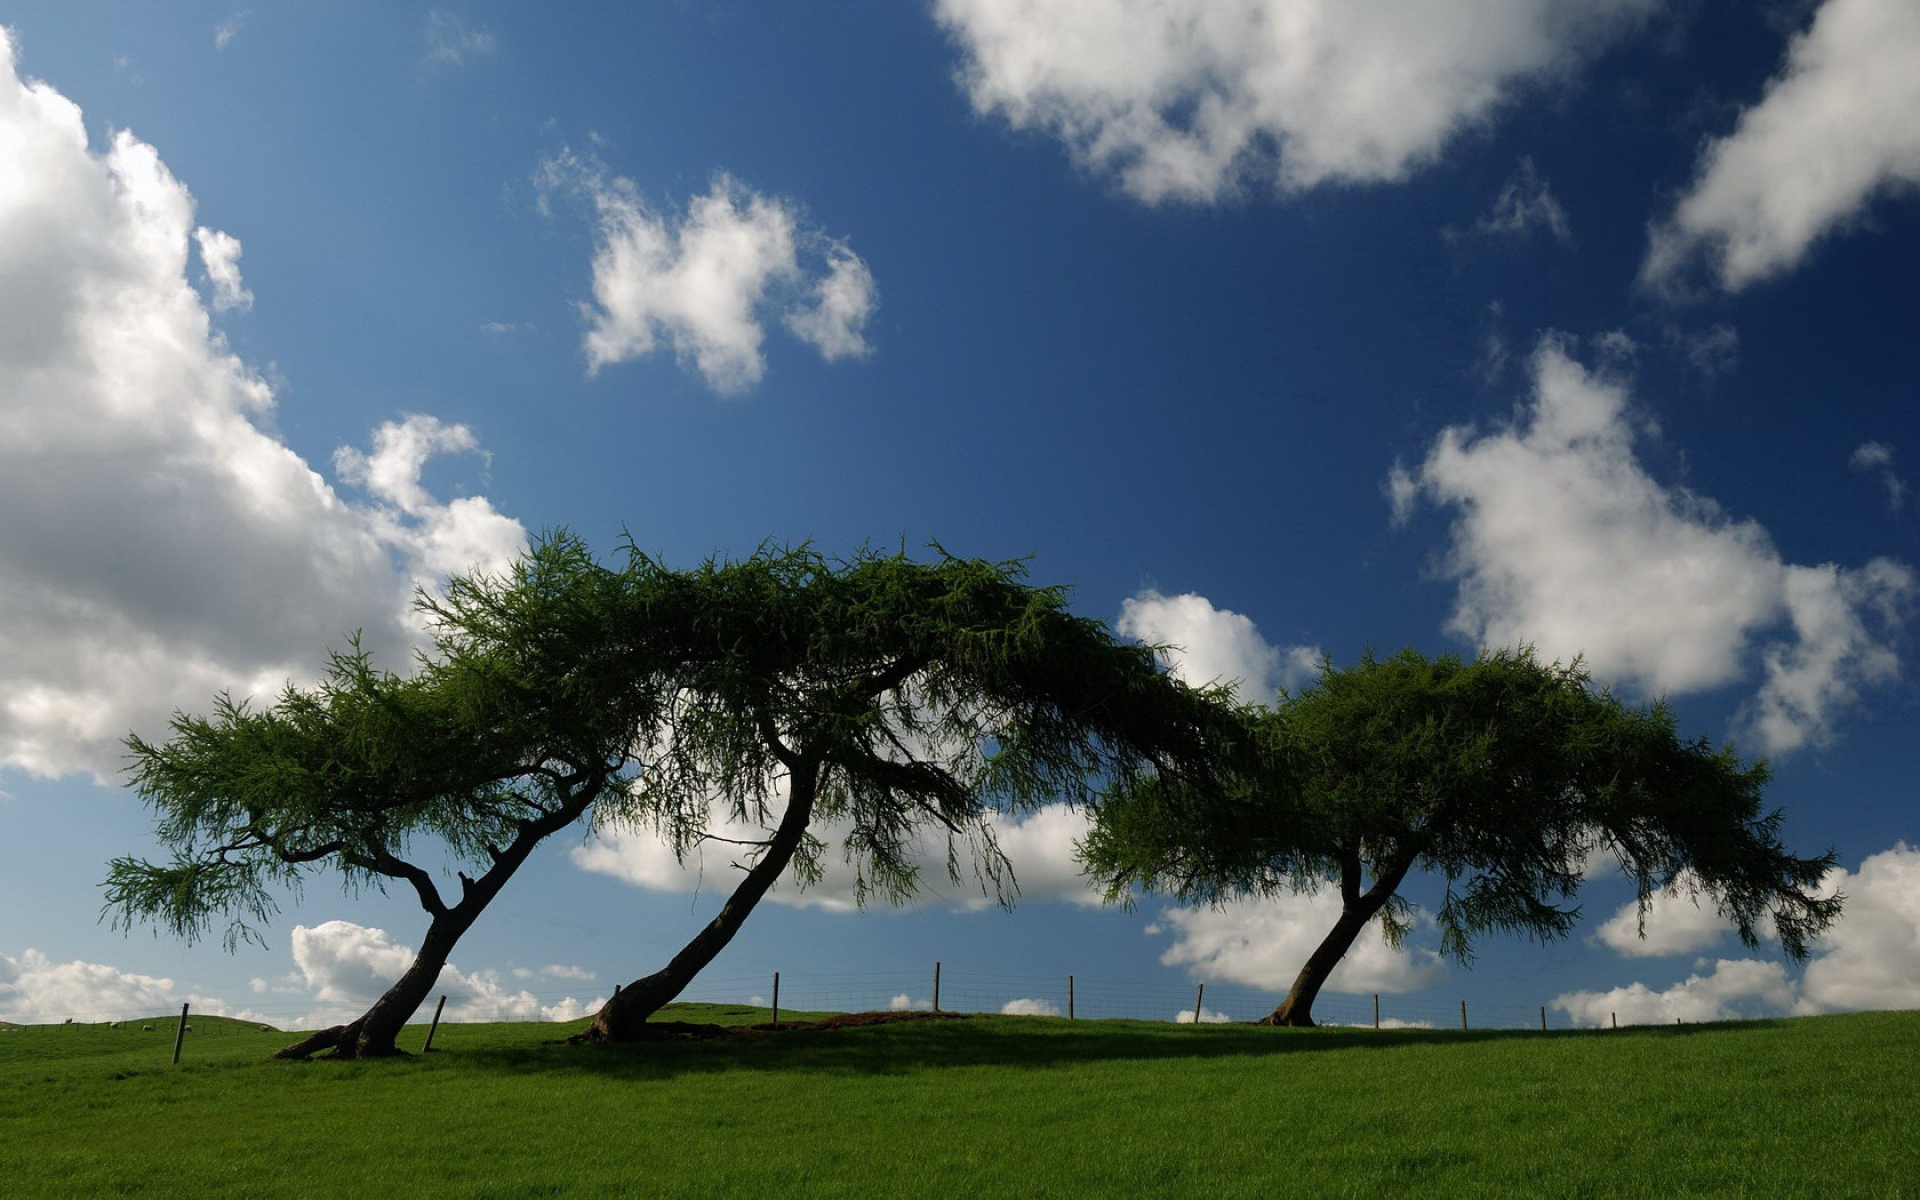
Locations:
(1081, 997)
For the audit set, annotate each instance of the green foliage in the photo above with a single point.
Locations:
(1030, 1107)
(1502, 775)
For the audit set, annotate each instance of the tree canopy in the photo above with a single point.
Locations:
(894, 697)
(1503, 776)
(512, 726)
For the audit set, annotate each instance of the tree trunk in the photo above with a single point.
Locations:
(375, 1033)
(623, 1018)
(1356, 909)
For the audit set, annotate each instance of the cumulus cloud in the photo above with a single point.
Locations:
(1208, 645)
(1563, 539)
(1207, 1017)
(1032, 1008)
(1190, 99)
(159, 546)
(36, 990)
(1869, 959)
(1264, 943)
(704, 283)
(1871, 956)
(346, 967)
(1833, 132)
(451, 42)
(1676, 922)
(1039, 845)
(906, 1003)
(1734, 989)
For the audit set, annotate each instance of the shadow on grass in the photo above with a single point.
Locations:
(996, 1041)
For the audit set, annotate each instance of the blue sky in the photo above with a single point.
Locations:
(1274, 327)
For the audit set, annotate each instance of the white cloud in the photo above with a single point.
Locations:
(1563, 540)
(1031, 1008)
(452, 42)
(1039, 846)
(220, 255)
(159, 546)
(1264, 942)
(1876, 458)
(1209, 645)
(1833, 132)
(1736, 988)
(1524, 205)
(1189, 99)
(906, 1003)
(1207, 1017)
(1871, 956)
(36, 990)
(346, 967)
(703, 284)
(1676, 923)
(225, 31)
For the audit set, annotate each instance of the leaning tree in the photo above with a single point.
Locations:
(1502, 776)
(892, 699)
(531, 708)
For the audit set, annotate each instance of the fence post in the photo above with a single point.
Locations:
(1616, 1019)
(1463, 1016)
(1543, 1018)
(776, 999)
(1376, 1010)
(428, 1044)
(1069, 997)
(1198, 991)
(179, 1035)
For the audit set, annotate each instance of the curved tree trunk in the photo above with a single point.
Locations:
(375, 1033)
(623, 1018)
(1356, 909)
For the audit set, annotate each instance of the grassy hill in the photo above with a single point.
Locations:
(988, 1106)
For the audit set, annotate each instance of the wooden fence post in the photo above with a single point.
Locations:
(776, 999)
(936, 987)
(1616, 1019)
(1543, 1018)
(1069, 997)
(1198, 991)
(1463, 1016)
(1376, 1010)
(436, 1023)
(179, 1034)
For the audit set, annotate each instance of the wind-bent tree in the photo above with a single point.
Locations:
(893, 698)
(529, 710)
(1501, 776)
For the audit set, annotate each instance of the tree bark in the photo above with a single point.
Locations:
(375, 1033)
(1356, 909)
(623, 1018)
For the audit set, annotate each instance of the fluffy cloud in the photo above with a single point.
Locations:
(1263, 943)
(1563, 540)
(346, 967)
(1736, 988)
(1033, 1008)
(1871, 957)
(1675, 923)
(36, 990)
(158, 545)
(1876, 458)
(704, 283)
(1207, 645)
(1039, 845)
(1207, 1017)
(1833, 131)
(1188, 99)
(220, 255)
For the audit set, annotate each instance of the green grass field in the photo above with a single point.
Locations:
(988, 1106)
